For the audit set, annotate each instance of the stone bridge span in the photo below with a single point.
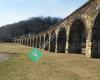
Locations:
(77, 33)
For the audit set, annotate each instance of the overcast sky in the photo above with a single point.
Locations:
(15, 10)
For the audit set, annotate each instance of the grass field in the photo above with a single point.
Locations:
(50, 67)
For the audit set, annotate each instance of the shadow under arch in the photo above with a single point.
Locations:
(46, 43)
(52, 41)
(61, 41)
(23, 42)
(95, 50)
(31, 42)
(77, 37)
(42, 42)
(34, 42)
(38, 42)
(28, 41)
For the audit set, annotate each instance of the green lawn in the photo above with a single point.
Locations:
(50, 67)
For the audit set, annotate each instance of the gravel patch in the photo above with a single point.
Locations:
(4, 56)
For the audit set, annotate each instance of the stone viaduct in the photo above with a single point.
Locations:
(77, 33)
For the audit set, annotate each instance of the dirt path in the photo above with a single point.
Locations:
(4, 56)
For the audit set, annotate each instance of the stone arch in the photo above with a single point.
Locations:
(61, 40)
(95, 50)
(46, 43)
(52, 41)
(77, 37)
(42, 42)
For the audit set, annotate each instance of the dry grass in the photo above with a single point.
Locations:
(50, 67)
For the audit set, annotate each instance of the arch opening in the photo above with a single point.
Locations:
(95, 50)
(28, 41)
(61, 41)
(52, 42)
(38, 42)
(23, 42)
(46, 43)
(77, 37)
(34, 42)
(31, 44)
(42, 42)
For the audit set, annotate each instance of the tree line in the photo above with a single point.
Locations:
(32, 25)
